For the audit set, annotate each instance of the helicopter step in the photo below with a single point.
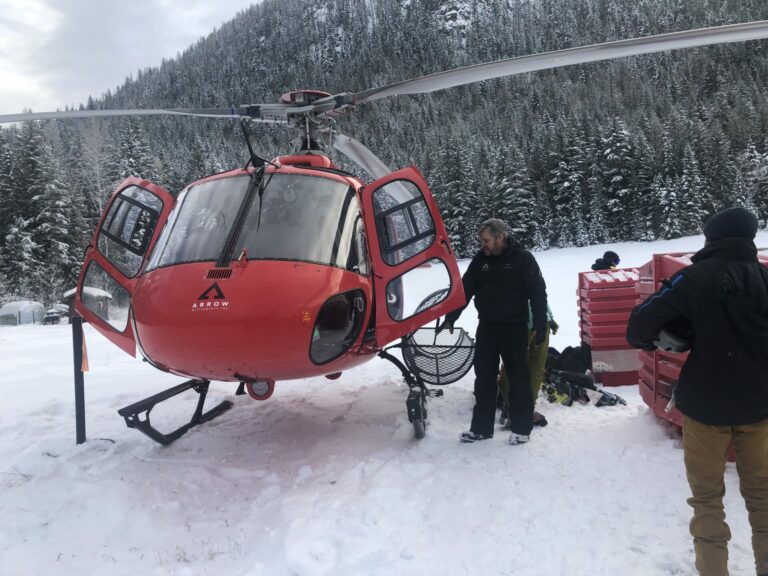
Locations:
(132, 413)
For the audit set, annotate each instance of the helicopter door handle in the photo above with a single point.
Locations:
(445, 245)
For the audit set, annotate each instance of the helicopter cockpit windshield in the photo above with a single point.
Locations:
(296, 217)
(305, 218)
(198, 226)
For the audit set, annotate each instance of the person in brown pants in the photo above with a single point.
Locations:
(719, 305)
(705, 451)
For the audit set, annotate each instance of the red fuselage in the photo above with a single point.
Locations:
(261, 328)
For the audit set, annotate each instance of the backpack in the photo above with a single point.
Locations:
(575, 359)
(567, 380)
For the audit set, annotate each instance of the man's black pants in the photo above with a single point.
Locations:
(510, 341)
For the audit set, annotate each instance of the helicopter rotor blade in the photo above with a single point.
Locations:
(559, 58)
(360, 155)
(269, 113)
(329, 107)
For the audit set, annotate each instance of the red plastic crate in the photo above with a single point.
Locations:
(603, 279)
(605, 342)
(602, 294)
(606, 298)
(611, 306)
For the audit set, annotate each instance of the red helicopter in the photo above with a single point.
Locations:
(293, 268)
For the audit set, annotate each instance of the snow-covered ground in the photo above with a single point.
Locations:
(326, 477)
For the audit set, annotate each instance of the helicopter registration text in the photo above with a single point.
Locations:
(210, 305)
(212, 299)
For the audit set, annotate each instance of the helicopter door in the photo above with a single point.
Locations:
(411, 256)
(121, 245)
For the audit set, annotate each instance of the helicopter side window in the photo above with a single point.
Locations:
(198, 227)
(128, 227)
(405, 226)
(405, 294)
(337, 326)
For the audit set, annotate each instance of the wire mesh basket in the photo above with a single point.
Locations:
(438, 359)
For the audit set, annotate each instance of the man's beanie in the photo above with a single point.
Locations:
(611, 256)
(731, 223)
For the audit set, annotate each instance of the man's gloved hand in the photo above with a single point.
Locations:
(442, 326)
(539, 337)
(554, 326)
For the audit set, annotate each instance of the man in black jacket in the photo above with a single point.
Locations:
(503, 278)
(721, 301)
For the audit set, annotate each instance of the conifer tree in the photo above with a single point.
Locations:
(7, 208)
(618, 168)
(740, 193)
(565, 222)
(597, 231)
(692, 195)
(456, 197)
(131, 154)
(57, 245)
(755, 170)
(519, 207)
(17, 261)
(669, 208)
(29, 170)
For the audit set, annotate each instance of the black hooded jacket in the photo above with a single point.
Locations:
(602, 264)
(502, 287)
(723, 297)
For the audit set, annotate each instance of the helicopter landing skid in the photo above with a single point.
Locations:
(416, 403)
(132, 413)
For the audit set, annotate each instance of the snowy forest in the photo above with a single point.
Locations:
(634, 149)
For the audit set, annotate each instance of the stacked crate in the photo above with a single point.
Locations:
(606, 298)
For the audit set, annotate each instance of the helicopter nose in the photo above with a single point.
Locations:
(271, 320)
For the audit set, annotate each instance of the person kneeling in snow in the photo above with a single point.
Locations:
(722, 299)
(609, 261)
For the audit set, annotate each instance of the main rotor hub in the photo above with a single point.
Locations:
(302, 97)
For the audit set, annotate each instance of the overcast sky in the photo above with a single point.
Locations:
(55, 53)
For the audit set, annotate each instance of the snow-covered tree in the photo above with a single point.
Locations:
(519, 208)
(692, 195)
(20, 270)
(670, 209)
(131, 154)
(755, 170)
(618, 171)
(7, 207)
(457, 197)
(567, 183)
